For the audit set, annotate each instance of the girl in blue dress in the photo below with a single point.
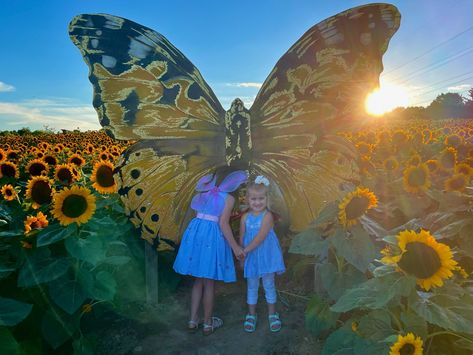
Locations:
(206, 247)
(263, 255)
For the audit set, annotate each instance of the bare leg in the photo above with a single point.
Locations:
(252, 309)
(271, 308)
(196, 297)
(209, 295)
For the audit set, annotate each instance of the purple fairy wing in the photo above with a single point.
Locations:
(206, 183)
(233, 180)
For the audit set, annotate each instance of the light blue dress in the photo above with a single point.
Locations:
(204, 251)
(266, 257)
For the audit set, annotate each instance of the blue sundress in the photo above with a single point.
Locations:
(266, 257)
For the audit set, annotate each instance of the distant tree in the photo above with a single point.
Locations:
(24, 131)
(469, 104)
(449, 105)
(409, 113)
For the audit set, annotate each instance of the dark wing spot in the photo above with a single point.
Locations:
(155, 217)
(131, 108)
(139, 192)
(135, 173)
(194, 92)
(169, 95)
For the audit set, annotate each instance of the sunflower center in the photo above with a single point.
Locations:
(74, 206)
(65, 175)
(36, 169)
(76, 161)
(41, 192)
(8, 170)
(105, 176)
(420, 260)
(448, 160)
(9, 192)
(407, 349)
(356, 207)
(50, 160)
(417, 177)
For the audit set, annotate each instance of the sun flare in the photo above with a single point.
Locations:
(386, 99)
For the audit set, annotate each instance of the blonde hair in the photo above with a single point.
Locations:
(258, 188)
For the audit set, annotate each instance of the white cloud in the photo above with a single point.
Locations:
(5, 87)
(56, 114)
(461, 87)
(226, 101)
(245, 85)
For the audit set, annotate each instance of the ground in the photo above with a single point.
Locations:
(162, 329)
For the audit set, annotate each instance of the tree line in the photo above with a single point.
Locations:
(446, 105)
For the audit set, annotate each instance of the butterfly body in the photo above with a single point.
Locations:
(146, 90)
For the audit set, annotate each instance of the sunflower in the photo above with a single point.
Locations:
(74, 205)
(76, 159)
(35, 222)
(390, 164)
(8, 192)
(36, 167)
(453, 140)
(39, 190)
(433, 165)
(427, 136)
(9, 169)
(104, 156)
(12, 154)
(63, 174)
(464, 169)
(90, 148)
(456, 182)
(448, 157)
(407, 345)
(3, 155)
(416, 178)
(50, 159)
(354, 205)
(102, 177)
(423, 257)
(364, 148)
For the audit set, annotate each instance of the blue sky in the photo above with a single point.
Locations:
(234, 44)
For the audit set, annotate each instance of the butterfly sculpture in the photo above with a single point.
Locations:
(146, 90)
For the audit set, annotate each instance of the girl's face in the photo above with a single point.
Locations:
(257, 200)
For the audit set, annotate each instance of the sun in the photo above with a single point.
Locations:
(386, 99)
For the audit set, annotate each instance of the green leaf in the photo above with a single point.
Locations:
(67, 294)
(318, 316)
(375, 293)
(308, 242)
(356, 247)
(337, 283)
(13, 312)
(414, 324)
(116, 260)
(35, 272)
(55, 233)
(82, 346)
(104, 286)
(376, 325)
(340, 342)
(327, 214)
(372, 227)
(58, 327)
(8, 344)
(452, 229)
(90, 249)
(464, 240)
(447, 311)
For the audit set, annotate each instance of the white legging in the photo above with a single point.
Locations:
(269, 289)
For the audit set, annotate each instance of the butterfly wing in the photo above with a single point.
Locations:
(316, 88)
(147, 90)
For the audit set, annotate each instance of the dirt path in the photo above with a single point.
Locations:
(162, 330)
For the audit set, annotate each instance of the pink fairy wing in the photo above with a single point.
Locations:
(233, 181)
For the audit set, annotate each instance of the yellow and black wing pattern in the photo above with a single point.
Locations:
(317, 87)
(147, 90)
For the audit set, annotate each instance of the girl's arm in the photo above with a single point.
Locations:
(242, 228)
(224, 223)
(266, 226)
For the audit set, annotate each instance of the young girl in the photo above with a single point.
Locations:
(205, 246)
(263, 256)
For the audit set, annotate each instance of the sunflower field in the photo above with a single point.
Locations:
(393, 258)
(66, 244)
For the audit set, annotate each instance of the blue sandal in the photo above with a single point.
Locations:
(274, 322)
(250, 323)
